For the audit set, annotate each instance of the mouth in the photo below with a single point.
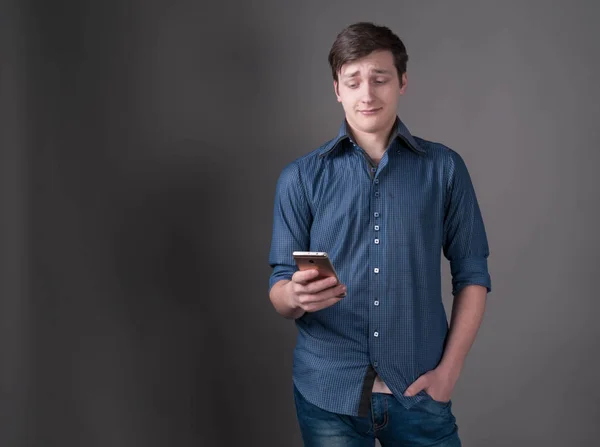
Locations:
(368, 112)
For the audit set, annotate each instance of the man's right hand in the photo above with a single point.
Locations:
(310, 295)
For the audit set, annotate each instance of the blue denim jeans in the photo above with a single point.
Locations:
(428, 423)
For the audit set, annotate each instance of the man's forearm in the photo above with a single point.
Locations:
(467, 314)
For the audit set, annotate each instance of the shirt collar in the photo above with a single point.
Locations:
(399, 131)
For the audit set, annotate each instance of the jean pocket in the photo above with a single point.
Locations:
(436, 407)
(443, 404)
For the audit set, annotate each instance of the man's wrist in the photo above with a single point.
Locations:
(450, 368)
(295, 310)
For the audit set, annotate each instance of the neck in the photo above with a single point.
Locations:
(374, 144)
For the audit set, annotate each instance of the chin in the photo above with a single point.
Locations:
(374, 124)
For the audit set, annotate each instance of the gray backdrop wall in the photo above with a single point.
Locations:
(140, 144)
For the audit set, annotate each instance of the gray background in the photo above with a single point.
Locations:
(140, 146)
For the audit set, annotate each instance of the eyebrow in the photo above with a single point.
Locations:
(357, 72)
(381, 71)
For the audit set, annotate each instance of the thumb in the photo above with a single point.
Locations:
(416, 387)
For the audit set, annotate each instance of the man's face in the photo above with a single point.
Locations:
(369, 90)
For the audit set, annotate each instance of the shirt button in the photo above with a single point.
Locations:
(376, 270)
(376, 241)
(375, 364)
(376, 181)
(373, 169)
(376, 303)
(376, 334)
(376, 227)
(376, 214)
(377, 194)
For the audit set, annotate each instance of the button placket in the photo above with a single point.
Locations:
(375, 319)
(376, 240)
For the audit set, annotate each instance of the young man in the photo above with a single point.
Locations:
(375, 357)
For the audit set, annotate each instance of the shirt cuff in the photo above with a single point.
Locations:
(468, 272)
(280, 272)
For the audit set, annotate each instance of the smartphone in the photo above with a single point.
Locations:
(306, 260)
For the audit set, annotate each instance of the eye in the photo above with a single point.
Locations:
(380, 81)
(353, 85)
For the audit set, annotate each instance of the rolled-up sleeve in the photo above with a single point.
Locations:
(465, 241)
(292, 218)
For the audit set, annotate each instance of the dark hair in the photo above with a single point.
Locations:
(361, 39)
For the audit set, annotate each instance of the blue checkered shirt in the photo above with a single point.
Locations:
(385, 229)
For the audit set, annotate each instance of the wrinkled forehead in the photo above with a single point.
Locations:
(376, 63)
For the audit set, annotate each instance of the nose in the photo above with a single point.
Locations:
(367, 93)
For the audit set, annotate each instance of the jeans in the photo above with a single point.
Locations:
(428, 423)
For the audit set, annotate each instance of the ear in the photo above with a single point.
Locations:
(336, 88)
(403, 82)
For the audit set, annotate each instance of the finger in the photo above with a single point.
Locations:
(320, 285)
(305, 276)
(313, 307)
(416, 387)
(306, 299)
(324, 295)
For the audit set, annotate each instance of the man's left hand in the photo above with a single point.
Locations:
(438, 383)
